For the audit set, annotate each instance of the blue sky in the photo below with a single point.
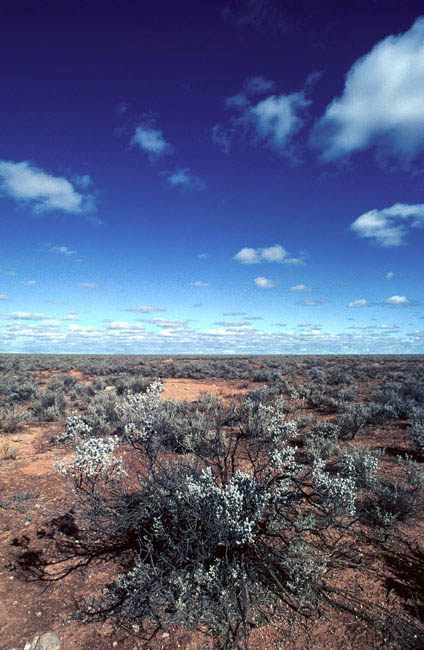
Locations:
(242, 176)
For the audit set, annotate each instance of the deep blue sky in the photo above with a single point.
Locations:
(238, 176)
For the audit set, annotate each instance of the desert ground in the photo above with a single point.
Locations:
(376, 402)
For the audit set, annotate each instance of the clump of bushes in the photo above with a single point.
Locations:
(204, 540)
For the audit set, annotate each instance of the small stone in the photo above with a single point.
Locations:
(165, 635)
(48, 641)
(38, 614)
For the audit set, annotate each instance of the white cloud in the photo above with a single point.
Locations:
(89, 285)
(382, 102)
(221, 137)
(144, 310)
(199, 283)
(257, 85)
(45, 193)
(29, 283)
(360, 303)
(72, 316)
(4, 297)
(248, 256)
(203, 256)
(274, 253)
(398, 301)
(62, 250)
(166, 323)
(264, 283)
(389, 275)
(313, 303)
(301, 288)
(23, 315)
(183, 179)
(151, 141)
(388, 227)
(270, 122)
(275, 119)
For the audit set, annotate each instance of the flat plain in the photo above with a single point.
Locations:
(342, 404)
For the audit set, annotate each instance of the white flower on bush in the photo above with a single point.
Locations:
(93, 459)
(138, 412)
(337, 492)
(76, 428)
(235, 510)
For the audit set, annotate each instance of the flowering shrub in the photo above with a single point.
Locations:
(239, 530)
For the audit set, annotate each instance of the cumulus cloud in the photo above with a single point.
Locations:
(274, 253)
(151, 141)
(145, 310)
(398, 301)
(264, 283)
(300, 288)
(44, 192)
(382, 102)
(362, 302)
(388, 227)
(184, 180)
(389, 275)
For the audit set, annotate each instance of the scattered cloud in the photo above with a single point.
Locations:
(264, 283)
(151, 141)
(23, 315)
(257, 85)
(313, 303)
(279, 324)
(203, 256)
(44, 192)
(72, 316)
(398, 301)
(89, 285)
(29, 283)
(221, 137)
(389, 275)
(300, 288)
(200, 283)
(4, 297)
(360, 303)
(234, 313)
(197, 305)
(184, 180)
(145, 310)
(165, 322)
(271, 122)
(62, 250)
(388, 227)
(382, 102)
(274, 253)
